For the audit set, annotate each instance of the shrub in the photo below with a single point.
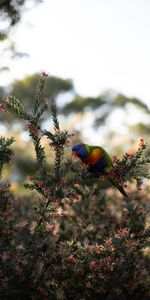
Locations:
(79, 239)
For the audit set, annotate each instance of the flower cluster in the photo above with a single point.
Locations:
(132, 165)
(33, 129)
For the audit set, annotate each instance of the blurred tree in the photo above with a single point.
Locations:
(103, 105)
(140, 127)
(10, 14)
(10, 11)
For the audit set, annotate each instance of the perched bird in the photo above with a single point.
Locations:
(98, 162)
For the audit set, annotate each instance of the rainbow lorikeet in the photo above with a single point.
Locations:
(98, 162)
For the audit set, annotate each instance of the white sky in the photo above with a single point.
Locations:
(99, 44)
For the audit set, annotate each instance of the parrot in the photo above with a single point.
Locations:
(98, 162)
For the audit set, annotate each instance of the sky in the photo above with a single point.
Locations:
(99, 44)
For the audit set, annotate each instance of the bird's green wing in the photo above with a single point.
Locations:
(106, 155)
(96, 152)
(89, 150)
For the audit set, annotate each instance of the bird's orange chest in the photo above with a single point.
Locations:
(93, 157)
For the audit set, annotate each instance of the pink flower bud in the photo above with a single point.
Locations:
(129, 155)
(141, 143)
(2, 106)
(44, 74)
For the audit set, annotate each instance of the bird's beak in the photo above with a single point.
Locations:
(74, 154)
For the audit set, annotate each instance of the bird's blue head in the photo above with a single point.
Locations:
(79, 150)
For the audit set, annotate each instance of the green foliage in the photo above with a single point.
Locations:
(70, 243)
(13, 104)
(5, 152)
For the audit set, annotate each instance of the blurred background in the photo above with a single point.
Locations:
(97, 55)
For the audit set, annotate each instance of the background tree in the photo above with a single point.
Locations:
(10, 13)
(103, 104)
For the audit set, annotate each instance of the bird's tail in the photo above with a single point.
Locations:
(118, 186)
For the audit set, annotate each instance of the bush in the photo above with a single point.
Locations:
(78, 239)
